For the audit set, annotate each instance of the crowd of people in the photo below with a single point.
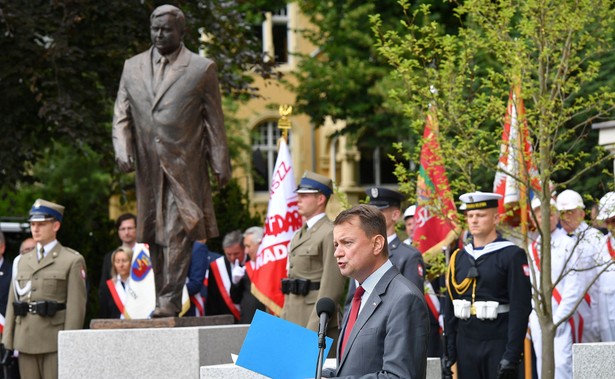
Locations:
(487, 303)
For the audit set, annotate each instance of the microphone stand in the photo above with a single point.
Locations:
(322, 344)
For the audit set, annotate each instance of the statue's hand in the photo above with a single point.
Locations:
(125, 165)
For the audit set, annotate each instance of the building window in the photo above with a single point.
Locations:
(375, 167)
(274, 33)
(264, 153)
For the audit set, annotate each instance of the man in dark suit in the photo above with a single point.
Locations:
(241, 289)
(168, 125)
(219, 300)
(6, 268)
(378, 339)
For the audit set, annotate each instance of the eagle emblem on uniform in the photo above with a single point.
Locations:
(374, 192)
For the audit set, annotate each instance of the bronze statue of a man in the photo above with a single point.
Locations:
(168, 125)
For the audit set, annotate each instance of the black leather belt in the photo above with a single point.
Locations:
(299, 286)
(42, 308)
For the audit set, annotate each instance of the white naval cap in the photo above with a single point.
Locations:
(480, 200)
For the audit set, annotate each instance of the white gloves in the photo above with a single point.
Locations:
(238, 272)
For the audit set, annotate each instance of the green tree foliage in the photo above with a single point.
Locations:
(347, 79)
(59, 75)
(232, 207)
(554, 50)
(62, 62)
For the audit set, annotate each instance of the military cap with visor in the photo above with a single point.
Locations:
(43, 210)
(312, 182)
(383, 197)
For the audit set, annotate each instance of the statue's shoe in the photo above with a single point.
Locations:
(163, 312)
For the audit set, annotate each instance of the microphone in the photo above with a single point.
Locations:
(325, 308)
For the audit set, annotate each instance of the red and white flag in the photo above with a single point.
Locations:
(436, 216)
(515, 165)
(283, 220)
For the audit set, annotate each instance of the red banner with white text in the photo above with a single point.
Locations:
(283, 220)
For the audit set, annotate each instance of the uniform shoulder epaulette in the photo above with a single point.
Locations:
(72, 251)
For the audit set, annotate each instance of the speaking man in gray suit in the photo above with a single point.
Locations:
(385, 330)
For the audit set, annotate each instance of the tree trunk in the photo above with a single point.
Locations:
(548, 357)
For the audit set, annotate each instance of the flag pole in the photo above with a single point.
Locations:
(523, 199)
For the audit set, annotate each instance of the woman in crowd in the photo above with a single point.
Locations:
(113, 293)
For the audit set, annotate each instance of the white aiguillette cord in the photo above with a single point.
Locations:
(19, 290)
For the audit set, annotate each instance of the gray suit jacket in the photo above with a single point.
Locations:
(389, 339)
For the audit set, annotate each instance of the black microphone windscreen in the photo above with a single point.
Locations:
(325, 305)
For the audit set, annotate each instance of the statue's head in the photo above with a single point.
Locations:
(167, 25)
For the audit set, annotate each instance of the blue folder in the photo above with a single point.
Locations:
(280, 349)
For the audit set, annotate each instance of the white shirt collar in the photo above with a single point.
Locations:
(370, 283)
(312, 221)
(391, 238)
(47, 247)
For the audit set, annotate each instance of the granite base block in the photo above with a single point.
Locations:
(593, 360)
(231, 371)
(146, 353)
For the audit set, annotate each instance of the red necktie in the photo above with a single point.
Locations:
(352, 318)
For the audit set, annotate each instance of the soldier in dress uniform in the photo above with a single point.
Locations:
(47, 294)
(489, 297)
(313, 272)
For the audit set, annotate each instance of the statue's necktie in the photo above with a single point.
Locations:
(352, 317)
(162, 65)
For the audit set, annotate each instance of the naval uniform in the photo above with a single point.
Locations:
(501, 274)
(59, 277)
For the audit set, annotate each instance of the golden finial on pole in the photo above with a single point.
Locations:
(284, 122)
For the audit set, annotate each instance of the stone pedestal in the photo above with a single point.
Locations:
(231, 371)
(146, 353)
(593, 360)
(163, 322)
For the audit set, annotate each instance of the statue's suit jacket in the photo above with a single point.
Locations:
(173, 135)
(389, 338)
(60, 276)
(311, 257)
